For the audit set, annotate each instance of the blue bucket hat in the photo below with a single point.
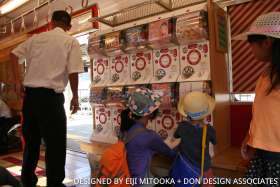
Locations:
(143, 102)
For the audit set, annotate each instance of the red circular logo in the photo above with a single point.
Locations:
(167, 122)
(119, 119)
(194, 57)
(100, 69)
(165, 61)
(119, 66)
(140, 63)
(102, 118)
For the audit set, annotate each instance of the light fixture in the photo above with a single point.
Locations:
(11, 5)
(84, 20)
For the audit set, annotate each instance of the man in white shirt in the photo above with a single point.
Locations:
(52, 58)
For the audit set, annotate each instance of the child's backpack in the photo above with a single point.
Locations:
(184, 169)
(113, 162)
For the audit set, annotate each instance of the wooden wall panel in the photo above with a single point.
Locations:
(7, 86)
(220, 86)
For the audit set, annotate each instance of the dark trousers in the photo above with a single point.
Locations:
(5, 125)
(7, 179)
(44, 117)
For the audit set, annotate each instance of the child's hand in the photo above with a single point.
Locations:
(247, 152)
(172, 142)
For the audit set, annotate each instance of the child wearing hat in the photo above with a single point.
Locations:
(195, 107)
(143, 106)
(262, 143)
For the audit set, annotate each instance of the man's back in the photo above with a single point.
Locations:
(54, 45)
(50, 57)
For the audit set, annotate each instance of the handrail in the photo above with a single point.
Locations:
(27, 12)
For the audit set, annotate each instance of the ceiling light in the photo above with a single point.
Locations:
(11, 5)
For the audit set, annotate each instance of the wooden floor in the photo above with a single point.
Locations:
(77, 167)
(229, 164)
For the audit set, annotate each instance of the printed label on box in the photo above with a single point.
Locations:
(166, 123)
(101, 72)
(120, 70)
(195, 62)
(141, 67)
(166, 65)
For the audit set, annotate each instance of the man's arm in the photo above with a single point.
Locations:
(74, 66)
(74, 81)
(20, 52)
(16, 74)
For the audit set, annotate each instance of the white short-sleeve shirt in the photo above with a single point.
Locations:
(50, 57)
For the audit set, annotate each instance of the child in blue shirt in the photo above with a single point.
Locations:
(195, 107)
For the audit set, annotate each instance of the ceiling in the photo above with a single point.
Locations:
(105, 7)
(31, 4)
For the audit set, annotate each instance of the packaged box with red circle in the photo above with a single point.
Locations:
(141, 67)
(102, 119)
(166, 123)
(116, 110)
(103, 129)
(120, 70)
(166, 65)
(195, 62)
(101, 72)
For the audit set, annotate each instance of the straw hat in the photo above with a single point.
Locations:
(266, 24)
(143, 102)
(196, 105)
